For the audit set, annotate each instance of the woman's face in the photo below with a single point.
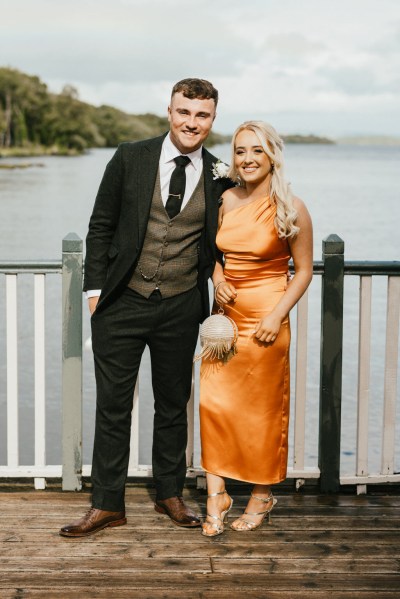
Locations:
(251, 162)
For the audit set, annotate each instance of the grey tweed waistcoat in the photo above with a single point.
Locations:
(170, 252)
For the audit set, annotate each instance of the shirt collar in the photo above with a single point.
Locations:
(170, 151)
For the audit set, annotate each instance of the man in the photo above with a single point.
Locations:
(149, 252)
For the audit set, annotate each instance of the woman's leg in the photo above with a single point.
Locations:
(218, 502)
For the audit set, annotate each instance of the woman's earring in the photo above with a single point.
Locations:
(272, 168)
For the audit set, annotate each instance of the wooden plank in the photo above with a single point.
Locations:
(72, 362)
(300, 384)
(330, 387)
(106, 592)
(143, 498)
(282, 511)
(146, 507)
(105, 565)
(30, 471)
(135, 496)
(306, 566)
(12, 372)
(90, 552)
(364, 360)
(111, 540)
(40, 383)
(169, 581)
(370, 479)
(390, 383)
(155, 523)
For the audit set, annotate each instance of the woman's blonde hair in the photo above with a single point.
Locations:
(279, 192)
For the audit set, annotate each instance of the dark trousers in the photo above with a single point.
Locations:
(120, 333)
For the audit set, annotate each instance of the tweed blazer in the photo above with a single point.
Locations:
(120, 215)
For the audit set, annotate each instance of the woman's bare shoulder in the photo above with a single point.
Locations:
(230, 197)
(299, 205)
(303, 215)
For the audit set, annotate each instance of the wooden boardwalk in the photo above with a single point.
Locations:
(317, 547)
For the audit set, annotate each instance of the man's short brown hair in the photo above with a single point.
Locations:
(196, 88)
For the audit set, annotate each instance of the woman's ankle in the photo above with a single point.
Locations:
(261, 491)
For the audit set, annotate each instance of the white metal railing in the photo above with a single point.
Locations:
(71, 470)
(387, 473)
(38, 470)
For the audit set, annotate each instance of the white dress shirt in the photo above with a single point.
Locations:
(167, 165)
(193, 172)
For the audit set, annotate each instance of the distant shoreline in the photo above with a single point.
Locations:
(38, 151)
(32, 151)
(36, 122)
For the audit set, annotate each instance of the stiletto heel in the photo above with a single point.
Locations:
(266, 515)
(218, 526)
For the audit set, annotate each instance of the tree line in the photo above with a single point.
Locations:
(30, 115)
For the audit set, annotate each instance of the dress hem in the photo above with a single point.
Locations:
(252, 482)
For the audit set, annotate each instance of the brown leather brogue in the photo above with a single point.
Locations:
(178, 511)
(93, 521)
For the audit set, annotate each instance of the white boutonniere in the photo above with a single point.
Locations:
(220, 170)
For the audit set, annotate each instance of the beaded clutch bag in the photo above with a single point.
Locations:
(218, 337)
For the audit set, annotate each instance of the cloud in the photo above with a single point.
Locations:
(127, 51)
(292, 48)
(266, 58)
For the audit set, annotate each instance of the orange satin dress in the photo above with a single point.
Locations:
(244, 403)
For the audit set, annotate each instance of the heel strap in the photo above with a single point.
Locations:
(215, 518)
(263, 499)
(215, 494)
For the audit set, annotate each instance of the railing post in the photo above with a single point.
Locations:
(330, 398)
(72, 362)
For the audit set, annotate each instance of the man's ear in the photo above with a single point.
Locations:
(169, 113)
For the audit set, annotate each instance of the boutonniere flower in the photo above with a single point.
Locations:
(220, 170)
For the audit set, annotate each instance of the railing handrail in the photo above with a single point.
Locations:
(361, 267)
(351, 267)
(30, 266)
(371, 267)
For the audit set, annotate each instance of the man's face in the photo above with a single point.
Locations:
(190, 121)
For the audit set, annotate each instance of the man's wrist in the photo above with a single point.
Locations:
(93, 293)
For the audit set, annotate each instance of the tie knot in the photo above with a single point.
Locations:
(181, 160)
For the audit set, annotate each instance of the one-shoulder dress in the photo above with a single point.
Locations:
(244, 402)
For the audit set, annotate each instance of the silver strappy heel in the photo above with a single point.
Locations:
(265, 514)
(218, 525)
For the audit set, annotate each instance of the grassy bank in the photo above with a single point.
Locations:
(37, 150)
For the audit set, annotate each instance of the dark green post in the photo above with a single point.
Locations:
(72, 362)
(330, 398)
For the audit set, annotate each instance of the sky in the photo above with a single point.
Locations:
(305, 66)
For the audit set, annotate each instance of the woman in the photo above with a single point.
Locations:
(244, 402)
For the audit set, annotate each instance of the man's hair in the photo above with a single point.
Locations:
(196, 88)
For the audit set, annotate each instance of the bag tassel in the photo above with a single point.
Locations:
(218, 337)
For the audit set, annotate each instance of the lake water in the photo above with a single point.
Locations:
(351, 191)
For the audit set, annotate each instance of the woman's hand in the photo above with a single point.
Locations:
(224, 293)
(267, 328)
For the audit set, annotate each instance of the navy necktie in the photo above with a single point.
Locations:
(177, 186)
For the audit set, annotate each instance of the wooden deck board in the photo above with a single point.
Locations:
(77, 593)
(316, 547)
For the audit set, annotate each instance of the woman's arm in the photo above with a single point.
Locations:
(301, 248)
(224, 292)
